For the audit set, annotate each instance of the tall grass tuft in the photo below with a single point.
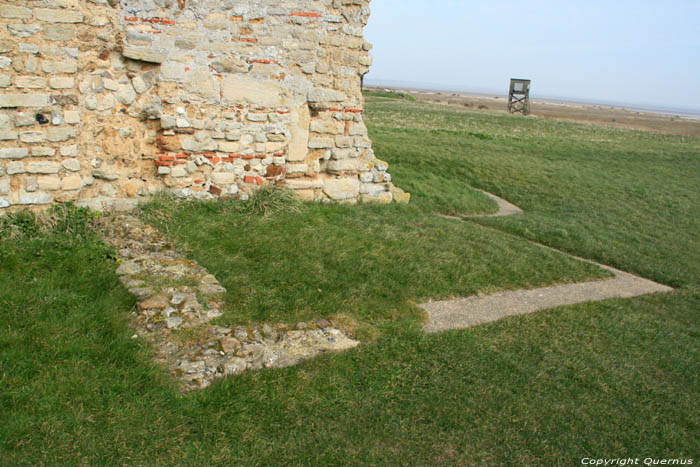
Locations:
(59, 219)
(272, 199)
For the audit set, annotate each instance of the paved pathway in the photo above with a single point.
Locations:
(472, 311)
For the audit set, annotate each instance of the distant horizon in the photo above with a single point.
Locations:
(681, 111)
(634, 53)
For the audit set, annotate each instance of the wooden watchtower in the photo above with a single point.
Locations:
(519, 96)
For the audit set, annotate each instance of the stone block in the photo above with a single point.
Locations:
(126, 94)
(62, 82)
(4, 185)
(373, 188)
(58, 16)
(110, 84)
(15, 12)
(13, 153)
(69, 150)
(23, 31)
(8, 135)
(24, 100)
(4, 203)
(167, 122)
(59, 32)
(178, 171)
(35, 198)
(25, 119)
(32, 136)
(304, 184)
(140, 86)
(59, 134)
(203, 84)
(297, 168)
(229, 146)
(59, 66)
(5, 121)
(321, 143)
(223, 178)
(172, 71)
(256, 117)
(325, 95)
(71, 183)
(5, 81)
(357, 129)
(15, 167)
(332, 127)
(30, 82)
(344, 141)
(30, 184)
(242, 90)
(43, 167)
(71, 165)
(384, 197)
(49, 183)
(71, 117)
(339, 189)
(151, 55)
(103, 174)
(400, 196)
(43, 151)
(343, 165)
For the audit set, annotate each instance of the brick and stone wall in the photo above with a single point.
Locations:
(104, 102)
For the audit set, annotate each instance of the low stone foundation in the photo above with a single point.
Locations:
(178, 299)
(105, 102)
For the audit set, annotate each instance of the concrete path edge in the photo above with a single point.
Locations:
(472, 311)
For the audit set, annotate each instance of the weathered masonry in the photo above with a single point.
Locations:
(104, 102)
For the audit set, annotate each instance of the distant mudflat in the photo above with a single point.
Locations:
(597, 114)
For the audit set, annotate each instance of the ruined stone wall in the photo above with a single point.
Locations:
(104, 102)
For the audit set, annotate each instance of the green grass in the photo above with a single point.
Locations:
(617, 378)
(366, 264)
(390, 95)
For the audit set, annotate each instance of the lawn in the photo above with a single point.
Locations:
(611, 379)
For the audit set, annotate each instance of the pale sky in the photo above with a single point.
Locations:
(636, 52)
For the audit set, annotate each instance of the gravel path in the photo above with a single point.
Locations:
(472, 311)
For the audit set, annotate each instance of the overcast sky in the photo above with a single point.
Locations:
(637, 52)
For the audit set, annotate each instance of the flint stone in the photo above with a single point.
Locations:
(105, 175)
(173, 322)
(235, 367)
(229, 344)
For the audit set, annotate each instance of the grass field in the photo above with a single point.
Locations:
(612, 379)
